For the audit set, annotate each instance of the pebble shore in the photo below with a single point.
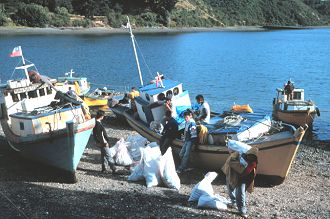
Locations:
(31, 190)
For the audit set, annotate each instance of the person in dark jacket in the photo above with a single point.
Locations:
(101, 138)
(190, 140)
(169, 133)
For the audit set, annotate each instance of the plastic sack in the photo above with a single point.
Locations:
(157, 127)
(151, 158)
(204, 187)
(137, 173)
(135, 143)
(238, 146)
(213, 202)
(122, 156)
(167, 170)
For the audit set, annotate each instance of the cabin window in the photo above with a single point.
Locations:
(169, 94)
(14, 97)
(161, 97)
(176, 91)
(41, 92)
(22, 96)
(32, 94)
(21, 126)
(296, 95)
(148, 97)
(48, 90)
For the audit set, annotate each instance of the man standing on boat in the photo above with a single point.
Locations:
(101, 138)
(204, 111)
(288, 90)
(190, 140)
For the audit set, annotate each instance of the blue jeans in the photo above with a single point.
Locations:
(106, 159)
(238, 196)
(185, 153)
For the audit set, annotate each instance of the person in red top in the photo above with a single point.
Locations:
(240, 177)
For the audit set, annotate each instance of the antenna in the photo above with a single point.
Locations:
(136, 57)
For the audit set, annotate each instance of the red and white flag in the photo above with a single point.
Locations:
(17, 51)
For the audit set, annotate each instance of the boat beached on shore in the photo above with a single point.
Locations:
(277, 145)
(42, 123)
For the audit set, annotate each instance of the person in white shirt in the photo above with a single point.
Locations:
(204, 111)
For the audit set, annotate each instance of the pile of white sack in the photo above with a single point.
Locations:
(203, 193)
(155, 168)
(126, 153)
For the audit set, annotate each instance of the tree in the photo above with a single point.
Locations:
(31, 15)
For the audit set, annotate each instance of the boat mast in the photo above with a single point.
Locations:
(25, 69)
(136, 57)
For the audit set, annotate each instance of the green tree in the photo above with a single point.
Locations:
(31, 15)
(60, 18)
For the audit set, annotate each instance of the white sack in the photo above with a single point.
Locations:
(167, 170)
(137, 172)
(122, 156)
(151, 158)
(213, 202)
(204, 187)
(135, 143)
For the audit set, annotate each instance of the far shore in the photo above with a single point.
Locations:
(108, 30)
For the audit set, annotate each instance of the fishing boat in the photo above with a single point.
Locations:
(79, 84)
(296, 111)
(277, 146)
(98, 98)
(42, 123)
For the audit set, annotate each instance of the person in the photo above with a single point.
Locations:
(204, 111)
(134, 93)
(101, 138)
(288, 90)
(168, 104)
(71, 93)
(240, 177)
(190, 140)
(169, 133)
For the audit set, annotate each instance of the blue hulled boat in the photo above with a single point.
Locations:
(42, 123)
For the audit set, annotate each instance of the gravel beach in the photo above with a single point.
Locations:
(31, 190)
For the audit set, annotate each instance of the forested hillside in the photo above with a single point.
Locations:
(163, 13)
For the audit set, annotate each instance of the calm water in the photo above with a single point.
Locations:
(227, 67)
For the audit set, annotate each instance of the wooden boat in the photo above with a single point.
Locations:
(44, 124)
(78, 84)
(277, 147)
(297, 111)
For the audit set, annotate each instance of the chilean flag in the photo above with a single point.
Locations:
(17, 51)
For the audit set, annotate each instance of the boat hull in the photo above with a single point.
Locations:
(276, 152)
(295, 117)
(61, 149)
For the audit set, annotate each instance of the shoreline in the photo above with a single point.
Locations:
(108, 30)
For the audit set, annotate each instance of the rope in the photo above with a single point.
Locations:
(143, 58)
(11, 202)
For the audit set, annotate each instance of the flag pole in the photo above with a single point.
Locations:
(25, 69)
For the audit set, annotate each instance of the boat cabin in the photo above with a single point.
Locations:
(78, 84)
(24, 95)
(298, 94)
(150, 103)
(44, 120)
